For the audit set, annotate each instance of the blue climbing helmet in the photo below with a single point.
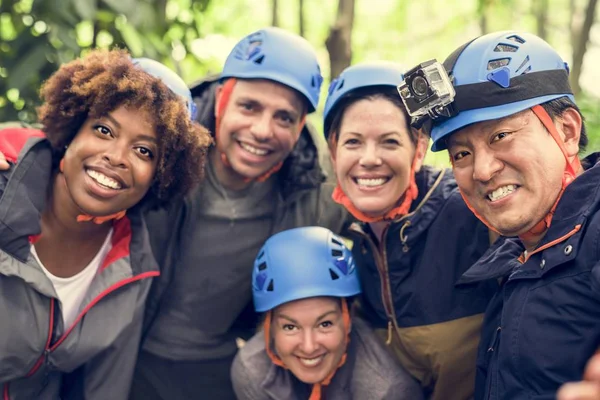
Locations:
(301, 263)
(170, 79)
(277, 55)
(367, 74)
(500, 74)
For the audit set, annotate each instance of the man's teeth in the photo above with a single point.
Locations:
(253, 150)
(311, 362)
(502, 192)
(103, 179)
(371, 182)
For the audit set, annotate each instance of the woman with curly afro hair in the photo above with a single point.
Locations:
(75, 260)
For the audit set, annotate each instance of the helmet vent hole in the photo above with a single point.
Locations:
(334, 276)
(262, 266)
(336, 253)
(499, 63)
(259, 60)
(262, 253)
(270, 287)
(335, 241)
(525, 61)
(341, 84)
(509, 48)
(516, 38)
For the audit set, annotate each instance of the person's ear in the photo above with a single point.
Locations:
(569, 125)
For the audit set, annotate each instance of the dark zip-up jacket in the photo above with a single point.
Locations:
(544, 323)
(304, 187)
(40, 357)
(408, 286)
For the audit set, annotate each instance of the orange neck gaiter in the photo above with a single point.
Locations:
(403, 208)
(223, 100)
(316, 393)
(569, 176)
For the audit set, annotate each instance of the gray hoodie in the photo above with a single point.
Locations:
(369, 373)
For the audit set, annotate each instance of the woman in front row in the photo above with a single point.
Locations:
(416, 236)
(75, 261)
(310, 347)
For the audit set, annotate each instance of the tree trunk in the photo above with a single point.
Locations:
(581, 45)
(572, 23)
(161, 16)
(96, 30)
(301, 27)
(541, 16)
(482, 8)
(275, 13)
(339, 41)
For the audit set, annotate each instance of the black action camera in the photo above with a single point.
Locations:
(427, 91)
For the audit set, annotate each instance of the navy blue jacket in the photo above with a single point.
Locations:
(544, 323)
(409, 281)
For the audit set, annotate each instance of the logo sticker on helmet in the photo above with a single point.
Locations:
(500, 76)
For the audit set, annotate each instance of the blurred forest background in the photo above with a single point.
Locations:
(195, 36)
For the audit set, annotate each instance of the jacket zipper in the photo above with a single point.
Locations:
(118, 285)
(48, 348)
(493, 360)
(40, 360)
(380, 256)
(380, 253)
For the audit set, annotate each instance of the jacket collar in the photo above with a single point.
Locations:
(580, 200)
(24, 197)
(435, 187)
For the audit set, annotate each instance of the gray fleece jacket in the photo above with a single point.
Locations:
(369, 373)
(40, 357)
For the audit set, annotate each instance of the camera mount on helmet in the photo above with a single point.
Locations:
(427, 92)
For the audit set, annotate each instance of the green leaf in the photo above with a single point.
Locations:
(86, 9)
(27, 67)
(51, 9)
(133, 40)
(121, 6)
(157, 43)
(145, 16)
(67, 36)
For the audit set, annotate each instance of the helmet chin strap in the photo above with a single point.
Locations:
(403, 208)
(569, 175)
(86, 217)
(226, 91)
(409, 195)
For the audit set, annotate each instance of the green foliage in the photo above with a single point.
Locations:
(194, 37)
(590, 108)
(38, 35)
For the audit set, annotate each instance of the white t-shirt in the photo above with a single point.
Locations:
(71, 291)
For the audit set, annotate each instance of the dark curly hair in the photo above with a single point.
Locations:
(102, 81)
